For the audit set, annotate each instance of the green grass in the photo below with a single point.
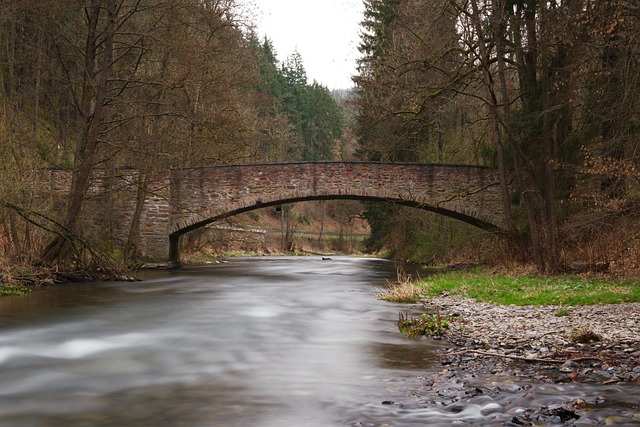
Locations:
(426, 324)
(483, 285)
(563, 312)
(7, 290)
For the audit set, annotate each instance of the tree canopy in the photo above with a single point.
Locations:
(544, 91)
(102, 84)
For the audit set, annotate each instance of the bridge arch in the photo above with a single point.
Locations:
(201, 196)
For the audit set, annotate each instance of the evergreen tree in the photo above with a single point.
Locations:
(324, 126)
(294, 72)
(271, 81)
(279, 141)
(313, 112)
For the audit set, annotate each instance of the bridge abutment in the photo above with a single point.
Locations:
(153, 236)
(111, 205)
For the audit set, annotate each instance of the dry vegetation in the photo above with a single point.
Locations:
(545, 92)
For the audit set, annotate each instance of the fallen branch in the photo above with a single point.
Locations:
(524, 340)
(53, 226)
(522, 358)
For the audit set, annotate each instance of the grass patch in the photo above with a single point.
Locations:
(426, 324)
(6, 290)
(563, 312)
(406, 293)
(12, 283)
(404, 290)
(483, 285)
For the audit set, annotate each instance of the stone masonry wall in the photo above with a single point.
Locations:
(185, 199)
(110, 204)
(199, 195)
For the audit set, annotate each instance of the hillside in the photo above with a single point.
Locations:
(321, 227)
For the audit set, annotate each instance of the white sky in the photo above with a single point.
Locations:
(325, 32)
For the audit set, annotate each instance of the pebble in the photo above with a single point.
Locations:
(538, 329)
(538, 333)
(487, 340)
(569, 366)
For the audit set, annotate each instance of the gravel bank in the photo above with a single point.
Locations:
(501, 335)
(538, 329)
(512, 357)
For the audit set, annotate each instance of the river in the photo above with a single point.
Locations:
(273, 341)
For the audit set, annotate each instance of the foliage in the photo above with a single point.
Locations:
(417, 236)
(312, 111)
(8, 290)
(483, 285)
(528, 87)
(427, 324)
(111, 83)
(314, 118)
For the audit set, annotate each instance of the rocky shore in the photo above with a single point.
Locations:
(606, 333)
(505, 354)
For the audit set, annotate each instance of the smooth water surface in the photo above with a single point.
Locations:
(254, 342)
(266, 342)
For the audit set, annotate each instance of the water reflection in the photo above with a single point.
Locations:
(404, 355)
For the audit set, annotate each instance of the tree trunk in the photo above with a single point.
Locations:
(548, 211)
(36, 98)
(496, 107)
(15, 238)
(97, 74)
(323, 213)
(525, 170)
(130, 248)
(11, 54)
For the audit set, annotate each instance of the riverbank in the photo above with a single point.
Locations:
(534, 315)
(539, 331)
(600, 338)
(518, 337)
(21, 280)
(502, 354)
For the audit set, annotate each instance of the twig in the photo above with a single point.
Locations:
(522, 358)
(538, 337)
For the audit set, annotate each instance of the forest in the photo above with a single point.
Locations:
(545, 92)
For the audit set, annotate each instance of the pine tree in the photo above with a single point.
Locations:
(312, 111)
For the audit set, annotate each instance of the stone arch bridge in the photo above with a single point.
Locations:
(189, 198)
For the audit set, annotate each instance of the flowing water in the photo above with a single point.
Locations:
(278, 341)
